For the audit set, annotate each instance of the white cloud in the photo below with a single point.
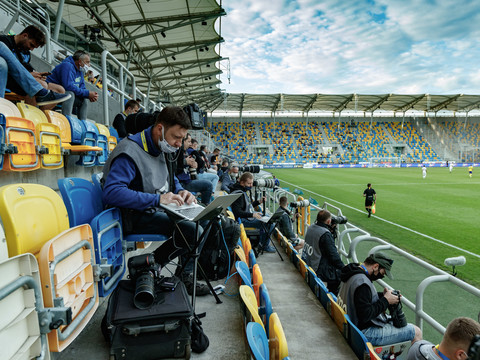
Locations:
(305, 46)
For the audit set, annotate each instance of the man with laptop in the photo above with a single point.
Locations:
(139, 177)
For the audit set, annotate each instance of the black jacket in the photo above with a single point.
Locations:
(366, 310)
(330, 263)
(239, 207)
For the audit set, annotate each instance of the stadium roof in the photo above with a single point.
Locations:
(173, 45)
(348, 102)
(170, 43)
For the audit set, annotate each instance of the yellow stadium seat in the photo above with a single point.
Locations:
(48, 137)
(277, 341)
(257, 281)
(249, 305)
(338, 315)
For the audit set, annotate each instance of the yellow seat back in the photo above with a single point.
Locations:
(257, 281)
(21, 133)
(249, 301)
(277, 341)
(32, 214)
(61, 121)
(338, 315)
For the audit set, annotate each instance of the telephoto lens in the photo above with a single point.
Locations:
(143, 270)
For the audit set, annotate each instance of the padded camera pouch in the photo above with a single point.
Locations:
(162, 331)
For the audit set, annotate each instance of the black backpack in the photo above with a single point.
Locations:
(215, 257)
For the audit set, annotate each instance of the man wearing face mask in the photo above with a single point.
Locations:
(244, 208)
(139, 175)
(229, 178)
(366, 307)
(70, 74)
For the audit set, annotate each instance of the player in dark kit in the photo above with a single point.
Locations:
(370, 198)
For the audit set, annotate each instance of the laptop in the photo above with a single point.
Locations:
(270, 219)
(195, 212)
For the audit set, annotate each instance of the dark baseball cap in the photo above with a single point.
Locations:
(384, 261)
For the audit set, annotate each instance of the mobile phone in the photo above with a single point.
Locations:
(45, 73)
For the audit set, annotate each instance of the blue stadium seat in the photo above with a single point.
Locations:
(80, 136)
(244, 272)
(257, 341)
(101, 141)
(356, 339)
(85, 207)
(251, 258)
(114, 132)
(321, 292)
(265, 306)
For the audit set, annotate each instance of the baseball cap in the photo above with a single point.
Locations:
(384, 261)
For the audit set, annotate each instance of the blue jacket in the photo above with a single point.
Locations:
(71, 78)
(123, 185)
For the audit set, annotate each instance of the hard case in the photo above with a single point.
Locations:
(162, 331)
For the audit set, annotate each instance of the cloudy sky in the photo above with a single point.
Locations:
(352, 46)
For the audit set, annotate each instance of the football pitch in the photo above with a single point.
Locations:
(432, 218)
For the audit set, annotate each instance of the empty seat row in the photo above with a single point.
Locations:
(32, 139)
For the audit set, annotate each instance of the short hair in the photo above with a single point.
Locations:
(216, 150)
(171, 116)
(460, 332)
(131, 104)
(368, 185)
(34, 33)
(322, 216)
(245, 176)
(77, 55)
(225, 162)
(194, 141)
(203, 147)
(283, 200)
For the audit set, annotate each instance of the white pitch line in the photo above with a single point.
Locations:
(387, 221)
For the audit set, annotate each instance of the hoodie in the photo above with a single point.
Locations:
(241, 207)
(357, 291)
(71, 78)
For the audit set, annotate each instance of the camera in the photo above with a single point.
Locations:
(398, 316)
(339, 220)
(266, 183)
(191, 170)
(254, 169)
(474, 350)
(301, 203)
(143, 271)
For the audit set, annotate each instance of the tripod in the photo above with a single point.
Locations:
(268, 228)
(193, 252)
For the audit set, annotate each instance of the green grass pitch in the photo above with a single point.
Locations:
(442, 209)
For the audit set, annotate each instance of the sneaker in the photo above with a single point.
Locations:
(52, 98)
(202, 289)
(269, 248)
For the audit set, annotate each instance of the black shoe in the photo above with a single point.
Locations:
(202, 289)
(369, 213)
(52, 98)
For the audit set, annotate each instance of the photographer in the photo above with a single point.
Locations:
(320, 252)
(455, 343)
(229, 178)
(366, 307)
(285, 224)
(186, 167)
(243, 208)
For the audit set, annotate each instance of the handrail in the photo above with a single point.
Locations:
(17, 11)
(107, 84)
(417, 306)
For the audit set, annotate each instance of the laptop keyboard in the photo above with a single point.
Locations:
(190, 212)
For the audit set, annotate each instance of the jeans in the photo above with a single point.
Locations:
(209, 177)
(202, 186)
(11, 67)
(75, 105)
(389, 334)
(159, 222)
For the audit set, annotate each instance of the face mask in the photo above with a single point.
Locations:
(84, 68)
(379, 276)
(224, 168)
(165, 146)
(234, 175)
(248, 188)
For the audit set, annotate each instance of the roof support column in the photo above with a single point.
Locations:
(58, 19)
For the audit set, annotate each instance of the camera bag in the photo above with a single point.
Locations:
(161, 331)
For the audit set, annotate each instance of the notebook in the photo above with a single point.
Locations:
(195, 212)
(270, 219)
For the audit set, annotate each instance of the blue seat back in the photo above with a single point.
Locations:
(265, 308)
(81, 200)
(77, 129)
(244, 272)
(356, 339)
(114, 132)
(102, 141)
(89, 138)
(257, 341)
(3, 124)
(107, 234)
(251, 258)
(321, 292)
(84, 206)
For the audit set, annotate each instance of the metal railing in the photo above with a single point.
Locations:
(348, 240)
